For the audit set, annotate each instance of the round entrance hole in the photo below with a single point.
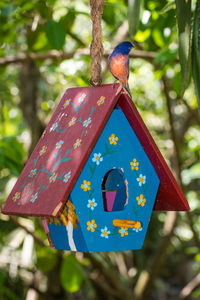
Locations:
(114, 190)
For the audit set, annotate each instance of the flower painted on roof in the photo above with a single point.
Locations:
(141, 200)
(52, 178)
(54, 126)
(105, 232)
(16, 196)
(32, 173)
(67, 176)
(87, 122)
(134, 164)
(97, 158)
(85, 185)
(34, 197)
(113, 139)
(101, 100)
(91, 204)
(67, 102)
(123, 231)
(77, 143)
(141, 179)
(91, 225)
(59, 144)
(72, 122)
(43, 150)
(81, 98)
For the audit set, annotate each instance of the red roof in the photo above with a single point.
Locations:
(63, 149)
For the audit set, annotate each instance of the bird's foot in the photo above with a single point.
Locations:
(113, 85)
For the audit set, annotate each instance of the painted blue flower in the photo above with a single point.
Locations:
(54, 126)
(32, 173)
(141, 179)
(81, 98)
(97, 158)
(87, 122)
(59, 144)
(91, 204)
(34, 197)
(105, 232)
(67, 176)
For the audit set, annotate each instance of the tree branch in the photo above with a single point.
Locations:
(38, 240)
(188, 289)
(110, 276)
(57, 55)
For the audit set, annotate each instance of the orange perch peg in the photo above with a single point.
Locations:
(126, 223)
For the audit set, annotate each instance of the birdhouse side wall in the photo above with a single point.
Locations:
(130, 189)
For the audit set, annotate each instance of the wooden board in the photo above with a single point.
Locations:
(57, 160)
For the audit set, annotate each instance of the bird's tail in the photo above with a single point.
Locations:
(128, 89)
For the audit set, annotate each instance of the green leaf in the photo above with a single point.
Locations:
(8, 9)
(167, 7)
(46, 259)
(55, 34)
(11, 155)
(158, 37)
(133, 16)
(177, 83)
(196, 51)
(109, 15)
(67, 21)
(166, 56)
(183, 13)
(72, 274)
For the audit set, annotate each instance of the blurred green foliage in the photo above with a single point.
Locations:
(64, 25)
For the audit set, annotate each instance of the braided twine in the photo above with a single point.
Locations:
(96, 47)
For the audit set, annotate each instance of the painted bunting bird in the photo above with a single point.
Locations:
(119, 63)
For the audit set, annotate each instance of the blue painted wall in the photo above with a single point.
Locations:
(117, 147)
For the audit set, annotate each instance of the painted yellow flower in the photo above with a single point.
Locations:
(77, 143)
(101, 100)
(43, 150)
(141, 200)
(134, 164)
(123, 231)
(113, 139)
(16, 196)
(72, 122)
(67, 102)
(91, 225)
(53, 177)
(85, 185)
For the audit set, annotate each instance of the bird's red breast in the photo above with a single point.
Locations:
(119, 67)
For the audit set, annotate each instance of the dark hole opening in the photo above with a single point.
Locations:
(114, 190)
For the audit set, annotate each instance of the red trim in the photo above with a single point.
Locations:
(170, 195)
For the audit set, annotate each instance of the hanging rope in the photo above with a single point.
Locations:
(96, 47)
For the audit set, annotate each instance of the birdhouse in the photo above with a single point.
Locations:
(95, 175)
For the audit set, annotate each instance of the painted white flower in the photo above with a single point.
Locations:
(91, 204)
(141, 179)
(32, 173)
(59, 144)
(54, 126)
(81, 98)
(105, 232)
(67, 176)
(97, 158)
(87, 122)
(34, 197)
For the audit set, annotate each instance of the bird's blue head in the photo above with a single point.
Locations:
(123, 48)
